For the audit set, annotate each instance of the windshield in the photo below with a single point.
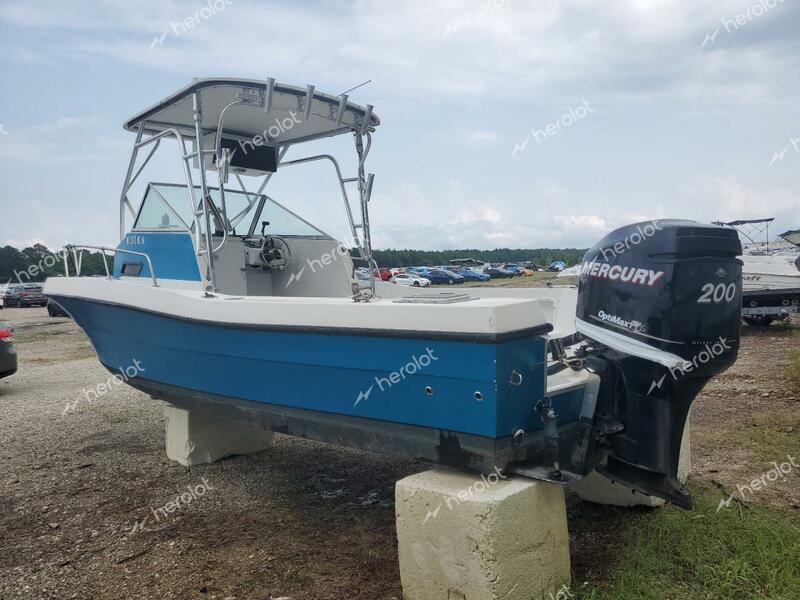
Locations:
(167, 207)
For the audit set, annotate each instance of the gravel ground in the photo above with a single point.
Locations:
(80, 480)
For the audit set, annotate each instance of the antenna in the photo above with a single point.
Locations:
(355, 88)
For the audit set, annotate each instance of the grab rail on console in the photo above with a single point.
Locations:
(77, 257)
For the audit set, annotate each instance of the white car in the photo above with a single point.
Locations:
(410, 279)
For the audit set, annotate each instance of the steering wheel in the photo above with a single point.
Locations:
(275, 253)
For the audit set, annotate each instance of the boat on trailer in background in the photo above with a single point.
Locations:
(770, 272)
(236, 307)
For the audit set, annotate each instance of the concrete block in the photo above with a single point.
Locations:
(196, 439)
(601, 490)
(470, 537)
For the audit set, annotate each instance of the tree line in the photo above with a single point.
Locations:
(36, 263)
(428, 258)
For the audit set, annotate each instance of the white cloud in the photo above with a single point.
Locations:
(456, 216)
(611, 47)
(583, 222)
(731, 199)
(55, 142)
(66, 123)
(478, 136)
(452, 106)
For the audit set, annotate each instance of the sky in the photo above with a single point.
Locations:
(504, 123)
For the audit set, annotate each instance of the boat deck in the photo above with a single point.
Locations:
(479, 317)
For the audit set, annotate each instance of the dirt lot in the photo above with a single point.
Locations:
(301, 521)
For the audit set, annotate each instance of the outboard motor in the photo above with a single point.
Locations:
(659, 304)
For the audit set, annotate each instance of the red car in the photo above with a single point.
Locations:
(8, 355)
(384, 274)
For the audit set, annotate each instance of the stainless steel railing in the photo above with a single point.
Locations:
(77, 257)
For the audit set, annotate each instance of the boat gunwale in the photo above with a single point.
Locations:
(455, 336)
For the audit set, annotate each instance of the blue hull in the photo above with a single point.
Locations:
(371, 376)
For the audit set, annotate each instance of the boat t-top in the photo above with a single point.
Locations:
(235, 306)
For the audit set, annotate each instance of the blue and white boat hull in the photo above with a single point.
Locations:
(410, 387)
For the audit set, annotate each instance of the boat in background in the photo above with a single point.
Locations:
(573, 271)
(770, 272)
(233, 305)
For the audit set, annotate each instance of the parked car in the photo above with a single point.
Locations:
(383, 274)
(54, 309)
(514, 268)
(497, 272)
(8, 354)
(411, 279)
(23, 295)
(32, 295)
(473, 274)
(9, 295)
(443, 276)
(459, 278)
(556, 266)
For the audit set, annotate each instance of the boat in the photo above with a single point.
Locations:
(573, 271)
(230, 304)
(770, 271)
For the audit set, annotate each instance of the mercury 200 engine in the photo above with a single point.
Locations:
(659, 304)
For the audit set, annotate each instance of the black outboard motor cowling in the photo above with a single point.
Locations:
(661, 300)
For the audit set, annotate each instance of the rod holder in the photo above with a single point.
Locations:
(367, 117)
(341, 109)
(368, 191)
(309, 100)
(268, 95)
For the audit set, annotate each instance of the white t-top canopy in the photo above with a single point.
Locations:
(281, 114)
